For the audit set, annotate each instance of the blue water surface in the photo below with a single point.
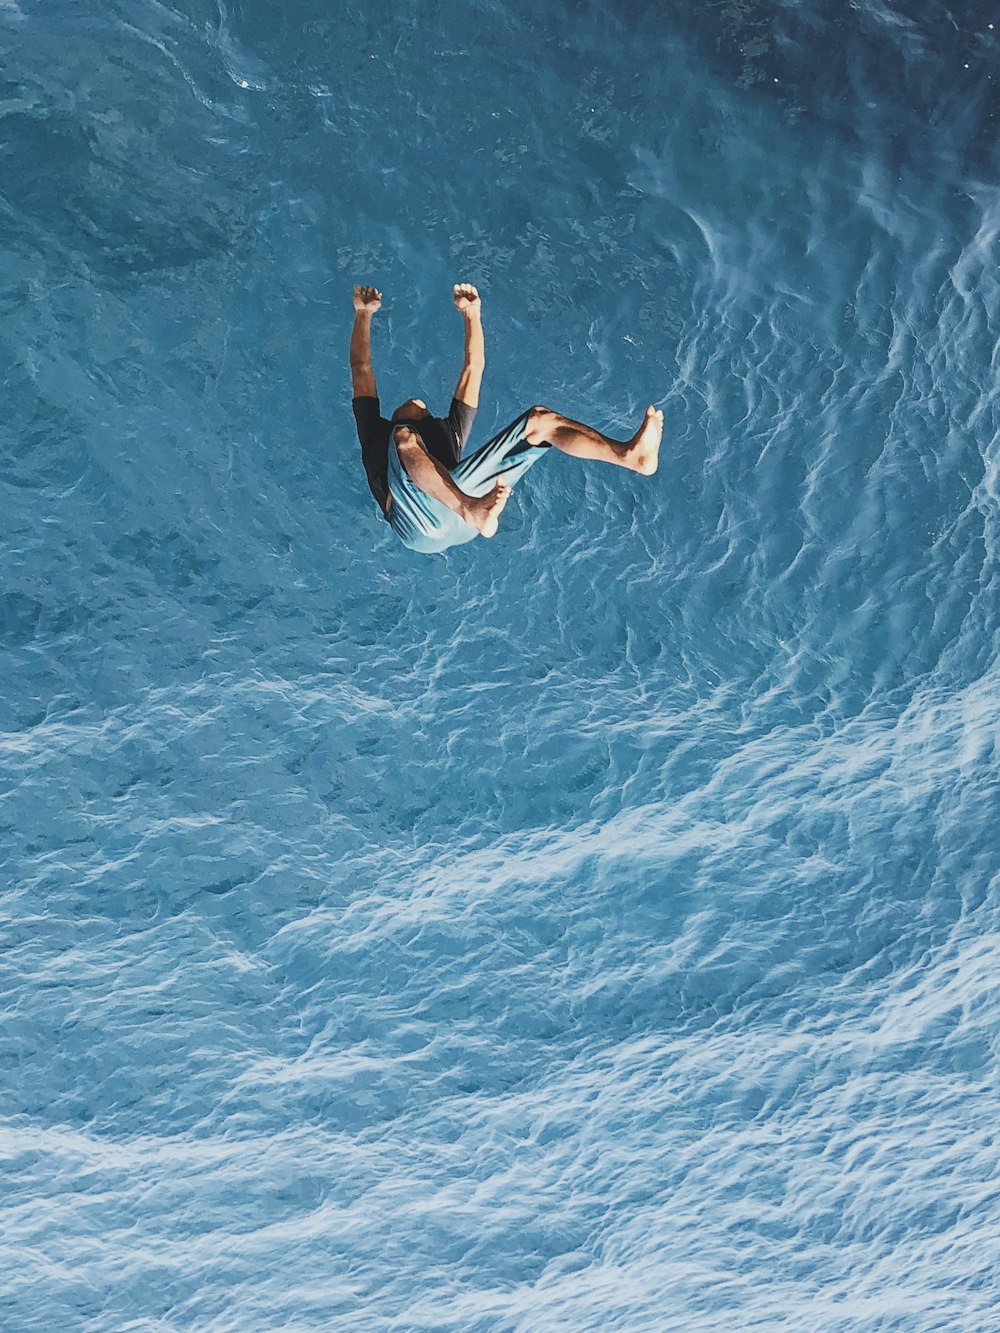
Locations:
(595, 928)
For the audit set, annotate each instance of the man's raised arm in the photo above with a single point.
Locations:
(471, 379)
(366, 301)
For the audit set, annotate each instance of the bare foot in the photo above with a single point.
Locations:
(644, 447)
(485, 510)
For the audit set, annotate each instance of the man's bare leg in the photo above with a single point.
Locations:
(483, 512)
(639, 454)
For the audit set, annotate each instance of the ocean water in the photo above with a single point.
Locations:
(597, 928)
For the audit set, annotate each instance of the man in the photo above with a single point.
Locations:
(431, 496)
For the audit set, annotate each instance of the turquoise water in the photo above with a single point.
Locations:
(595, 928)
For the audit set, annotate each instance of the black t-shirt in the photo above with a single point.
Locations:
(443, 438)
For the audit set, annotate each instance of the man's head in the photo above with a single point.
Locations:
(412, 410)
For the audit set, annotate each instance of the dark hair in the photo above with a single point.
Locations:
(404, 415)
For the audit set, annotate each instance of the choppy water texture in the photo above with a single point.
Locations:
(597, 928)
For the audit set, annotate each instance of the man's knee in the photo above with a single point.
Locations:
(410, 448)
(539, 424)
(407, 441)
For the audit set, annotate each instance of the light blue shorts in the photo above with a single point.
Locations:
(424, 524)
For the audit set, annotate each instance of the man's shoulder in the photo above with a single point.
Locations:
(461, 417)
(367, 409)
(370, 422)
(460, 411)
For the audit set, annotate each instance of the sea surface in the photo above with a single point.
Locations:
(596, 928)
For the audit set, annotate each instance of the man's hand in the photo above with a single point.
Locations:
(470, 381)
(366, 301)
(467, 299)
(369, 299)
